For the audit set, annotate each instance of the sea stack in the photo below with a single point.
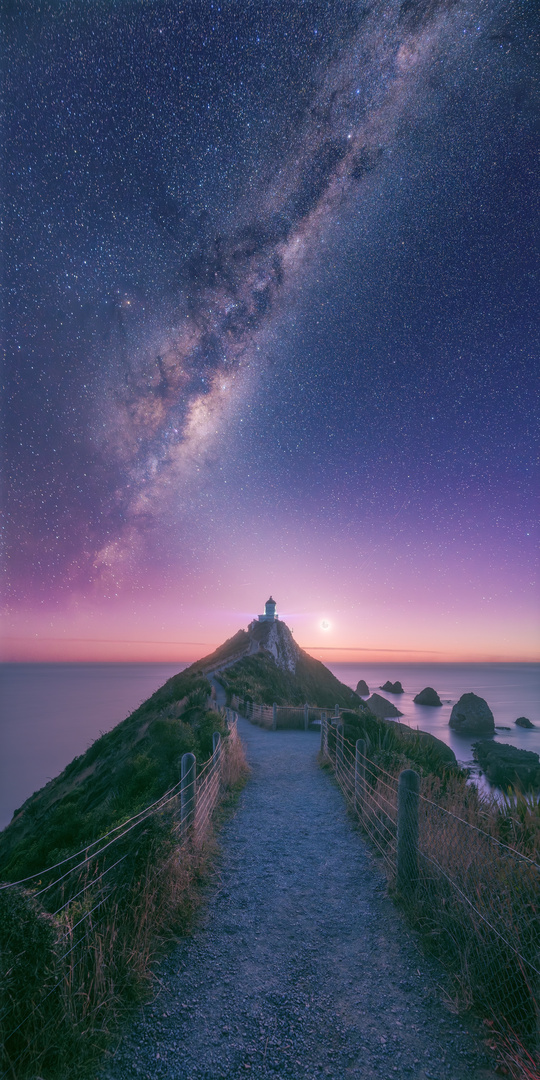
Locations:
(521, 722)
(392, 687)
(472, 715)
(382, 708)
(428, 696)
(363, 689)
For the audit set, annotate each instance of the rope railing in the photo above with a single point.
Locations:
(475, 897)
(274, 717)
(74, 897)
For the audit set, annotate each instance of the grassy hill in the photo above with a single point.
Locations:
(258, 678)
(77, 941)
(122, 772)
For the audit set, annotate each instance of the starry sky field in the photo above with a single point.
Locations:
(273, 326)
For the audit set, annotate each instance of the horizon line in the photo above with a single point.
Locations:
(367, 648)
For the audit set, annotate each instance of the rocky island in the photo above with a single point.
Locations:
(428, 696)
(382, 708)
(392, 687)
(471, 715)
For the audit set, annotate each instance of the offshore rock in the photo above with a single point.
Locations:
(363, 689)
(506, 766)
(472, 715)
(428, 696)
(392, 687)
(382, 708)
(523, 722)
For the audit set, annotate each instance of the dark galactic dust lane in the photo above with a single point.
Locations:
(299, 966)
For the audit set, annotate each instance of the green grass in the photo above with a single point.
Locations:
(258, 678)
(76, 952)
(121, 772)
(395, 746)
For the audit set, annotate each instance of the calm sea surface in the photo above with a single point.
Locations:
(52, 712)
(511, 690)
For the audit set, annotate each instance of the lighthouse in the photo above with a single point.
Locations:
(269, 611)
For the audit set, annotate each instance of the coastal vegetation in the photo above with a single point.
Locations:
(120, 773)
(394, 746)
(78, 941)
(474, 898)
(508, 766)
(258, 678)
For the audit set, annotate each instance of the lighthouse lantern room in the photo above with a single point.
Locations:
(269, 611)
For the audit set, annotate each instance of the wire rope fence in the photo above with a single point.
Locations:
(475, 899)
(275, 717)
(80, 933)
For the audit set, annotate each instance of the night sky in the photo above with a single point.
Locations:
(272, 323)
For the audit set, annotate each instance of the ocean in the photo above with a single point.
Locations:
(511, 690)
(52, 712)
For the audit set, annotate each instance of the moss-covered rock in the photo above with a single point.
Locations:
(508, 766)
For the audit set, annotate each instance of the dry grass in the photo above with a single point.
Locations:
(71, 980)
(477, 899)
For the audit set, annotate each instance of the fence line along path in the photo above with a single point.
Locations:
(300, 965)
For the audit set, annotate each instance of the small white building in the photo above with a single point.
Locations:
(269, 612)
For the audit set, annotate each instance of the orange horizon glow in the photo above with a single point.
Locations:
(338, 618)
(108, 650)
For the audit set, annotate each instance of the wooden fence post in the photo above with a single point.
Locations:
(407, 831)
(336, 711)
(306, 716)
(339, 745)
(188, 789)
(323, 731)
(360, 774)
(274, 717)
(216, 749)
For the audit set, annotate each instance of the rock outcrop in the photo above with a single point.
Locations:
(363, 689)
(427, 696)
(506, 766)
(382, 708)
(392, 687)
(523, 722)
(471, 715)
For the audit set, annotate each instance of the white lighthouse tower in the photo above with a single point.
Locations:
(269, 612)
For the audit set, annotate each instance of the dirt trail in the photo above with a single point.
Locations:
(300, 965)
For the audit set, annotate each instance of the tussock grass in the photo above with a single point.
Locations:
(258, 678)
(477, 901)
(70, 979)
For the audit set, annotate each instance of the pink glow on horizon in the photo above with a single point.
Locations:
(381, 599)
(126, 637)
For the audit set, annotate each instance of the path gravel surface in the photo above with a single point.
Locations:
(300, 966)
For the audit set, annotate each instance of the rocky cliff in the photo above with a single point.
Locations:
(264, 663)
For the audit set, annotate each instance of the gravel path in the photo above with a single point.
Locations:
(300, 966)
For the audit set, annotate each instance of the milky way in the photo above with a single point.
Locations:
(238, 283)
(271, 269)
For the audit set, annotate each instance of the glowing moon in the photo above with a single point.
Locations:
(325, 625)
